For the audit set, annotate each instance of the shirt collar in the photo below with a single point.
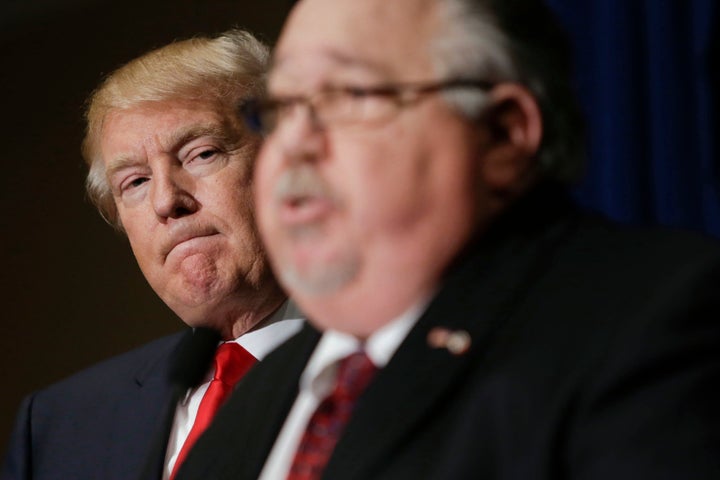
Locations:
(285, 322)
(335, 345)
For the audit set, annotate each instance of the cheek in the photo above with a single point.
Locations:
(230, 190)
(267, 170)
(389, 185)
(261, 189)
(267, 164)
(238, 217)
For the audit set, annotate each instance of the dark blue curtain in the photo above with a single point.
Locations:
(647, 78)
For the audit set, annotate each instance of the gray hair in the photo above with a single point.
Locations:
(224, 69)
(514, 41)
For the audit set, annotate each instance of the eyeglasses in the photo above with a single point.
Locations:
(348, 105)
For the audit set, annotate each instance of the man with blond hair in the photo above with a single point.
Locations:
(170, 165)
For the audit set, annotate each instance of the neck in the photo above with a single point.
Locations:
(252, 314)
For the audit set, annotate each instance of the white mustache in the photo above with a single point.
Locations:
(301, 182)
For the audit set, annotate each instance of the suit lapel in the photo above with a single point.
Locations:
(491, 280)
(278, 395)
(150, 407)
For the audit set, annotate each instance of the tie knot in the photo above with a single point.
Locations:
(354, 373)
(231, 363)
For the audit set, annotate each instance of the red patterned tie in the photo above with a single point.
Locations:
(328, 422)
(231, 362)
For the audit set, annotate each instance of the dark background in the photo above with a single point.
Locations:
(72, 293)
(648, 77)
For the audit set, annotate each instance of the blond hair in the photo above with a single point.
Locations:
(223, 69)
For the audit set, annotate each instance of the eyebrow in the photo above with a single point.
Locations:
(120, 163)
(217, 130)
(175, 142)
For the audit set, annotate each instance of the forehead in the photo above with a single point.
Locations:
(164, 114)
(164, 121)
(389, 38)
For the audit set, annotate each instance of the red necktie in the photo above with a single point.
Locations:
(328, 422)
(231, 362)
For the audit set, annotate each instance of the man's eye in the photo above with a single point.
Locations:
(355, 92)
(135, 182)
(205, 155)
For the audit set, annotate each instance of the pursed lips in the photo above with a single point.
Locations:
(186, 235)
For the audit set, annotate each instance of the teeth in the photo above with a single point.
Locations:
(298, 201)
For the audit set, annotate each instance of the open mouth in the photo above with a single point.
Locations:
(299, 209)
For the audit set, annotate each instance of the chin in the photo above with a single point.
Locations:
(319, 280)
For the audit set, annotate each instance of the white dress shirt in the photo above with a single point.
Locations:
(318, 378)
(283, 324)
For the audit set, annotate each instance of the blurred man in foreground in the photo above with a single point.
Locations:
(470, 321)
(171, 166)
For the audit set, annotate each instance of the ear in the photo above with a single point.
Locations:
(514, 122)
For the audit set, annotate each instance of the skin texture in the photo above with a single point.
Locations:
(181, 177)
(361, 222)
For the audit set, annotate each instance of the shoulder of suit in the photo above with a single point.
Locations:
(650, 248)
(123, 366)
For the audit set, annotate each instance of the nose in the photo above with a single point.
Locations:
(299, 135)
(171, 195)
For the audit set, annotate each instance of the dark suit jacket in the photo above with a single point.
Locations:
(595, 355)
(101, 423)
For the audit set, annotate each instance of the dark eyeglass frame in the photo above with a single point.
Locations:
(256, 112)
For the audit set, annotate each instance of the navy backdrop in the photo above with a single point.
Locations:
(647, 78)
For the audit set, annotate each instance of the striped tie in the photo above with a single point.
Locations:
(328, 422)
